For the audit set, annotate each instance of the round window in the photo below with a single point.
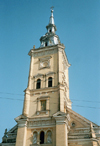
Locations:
(73, 124)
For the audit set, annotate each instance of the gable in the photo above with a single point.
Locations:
(13, 130)
(78, 121)
(10, 136)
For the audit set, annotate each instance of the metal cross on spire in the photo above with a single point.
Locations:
(52, 8)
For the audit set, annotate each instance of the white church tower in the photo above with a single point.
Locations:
(47, 118)
(47, 94)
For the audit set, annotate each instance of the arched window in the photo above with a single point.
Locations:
(49, 137)
(35, 138)
(41, 137)
(38, 85)
(50, 82)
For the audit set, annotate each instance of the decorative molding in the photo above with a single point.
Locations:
(62, 118)
(43, 113)
(49, 73)
(43, 97)
(21, 117)
(38, 75)
(40, 123)
(22, 124)
(44, 90)
(44, 62)
(45, 58)
(44, 52)
(65, 60)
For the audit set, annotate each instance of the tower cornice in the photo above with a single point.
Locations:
(50, 50)
(47, 48)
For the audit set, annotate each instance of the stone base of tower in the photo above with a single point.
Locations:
(36, 131)
(48, 131)
(61, 129)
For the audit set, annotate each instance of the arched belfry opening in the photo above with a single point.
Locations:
(50, 30)
(38, 85)
(41, 137)
(50, 82)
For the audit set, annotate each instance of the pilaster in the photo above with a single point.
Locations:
(30, 80)
(62, 128)
(26, 103)
(21, 133)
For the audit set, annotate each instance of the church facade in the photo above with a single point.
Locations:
(47, 118)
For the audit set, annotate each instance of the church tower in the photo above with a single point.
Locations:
(47, 94)
(47, 118)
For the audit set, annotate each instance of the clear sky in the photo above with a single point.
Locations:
(22, 23)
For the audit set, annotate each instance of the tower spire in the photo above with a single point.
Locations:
(51, 27)
(51, 17)
(50, 38)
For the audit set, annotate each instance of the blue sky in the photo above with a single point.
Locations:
(22, 23)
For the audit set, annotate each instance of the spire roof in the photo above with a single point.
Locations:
(51, 21)
(50, 38)
(51, 18)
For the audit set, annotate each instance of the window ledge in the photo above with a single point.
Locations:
(44, 88)
(43, 97)
(46, 112)
(44, 67)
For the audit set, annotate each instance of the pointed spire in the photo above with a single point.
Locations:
(51, 27)
(50, 38)
(51, 17)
